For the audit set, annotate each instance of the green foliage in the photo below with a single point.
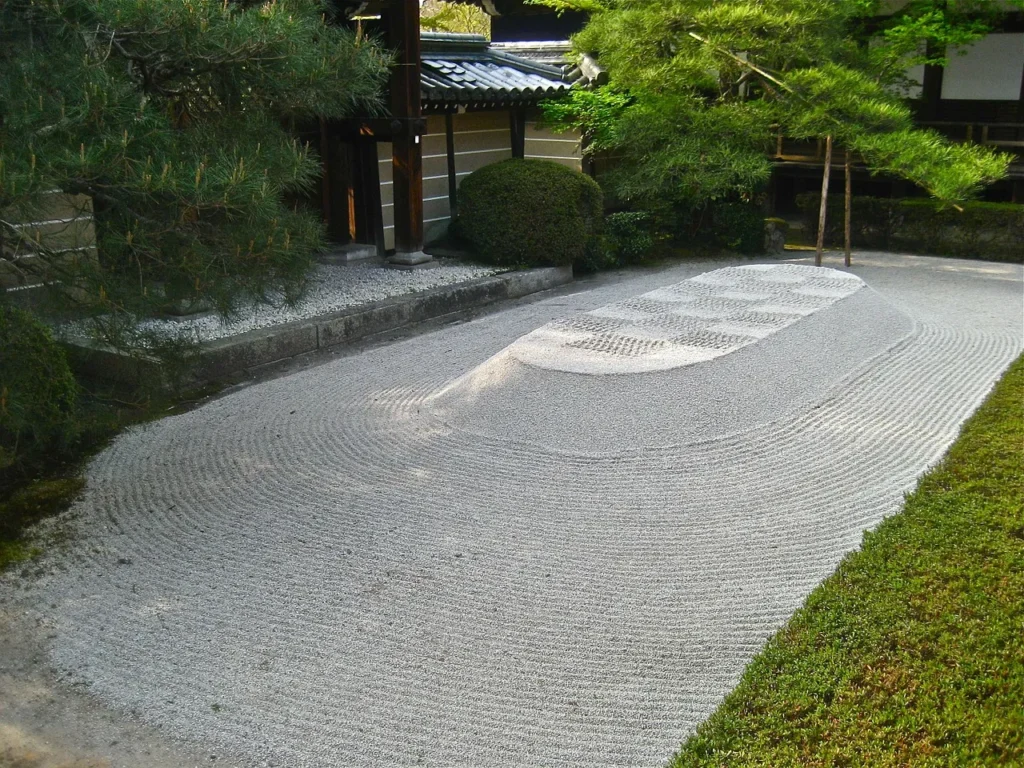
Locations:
(626, 237)
(738, 227)
(37, 392)
(529, 213)
(699, 90)
(596, 112)
(910, 653)
(630, 235)
(991, 231)
(178, 118)
(440, 16)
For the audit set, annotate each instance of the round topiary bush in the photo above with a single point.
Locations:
(37, 390)
(529, 212)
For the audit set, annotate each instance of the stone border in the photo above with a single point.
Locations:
(235, 354)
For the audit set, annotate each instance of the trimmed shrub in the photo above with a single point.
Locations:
(719, 225)
(37, 391)
(630, 235)
(737, 227)
(991, 231)
(521, 213)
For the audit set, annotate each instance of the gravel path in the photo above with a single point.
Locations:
(434, 554)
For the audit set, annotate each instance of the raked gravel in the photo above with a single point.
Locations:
(430, 553)
(332, 288)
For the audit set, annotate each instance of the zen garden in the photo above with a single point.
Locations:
(511, 383)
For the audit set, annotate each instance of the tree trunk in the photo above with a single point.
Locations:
(849, 207)
(824, 201)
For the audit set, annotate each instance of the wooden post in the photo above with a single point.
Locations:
(325, 175)
(849, 209)
(824, 202)
(407, 149)
(517, 130)
(369, 174)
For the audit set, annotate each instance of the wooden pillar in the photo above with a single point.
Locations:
(325, 174)
(370, 216)
(337, 185)
(403, 24)
(517, 130)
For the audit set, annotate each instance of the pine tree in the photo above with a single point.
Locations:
(179, 119)
(699, 90)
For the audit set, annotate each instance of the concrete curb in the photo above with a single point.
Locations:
(235, 354)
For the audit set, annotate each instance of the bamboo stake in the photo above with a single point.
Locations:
(849, 206)
(824, 201)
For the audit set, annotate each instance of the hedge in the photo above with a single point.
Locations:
(37, 392)
(990, 231)
(523, 213)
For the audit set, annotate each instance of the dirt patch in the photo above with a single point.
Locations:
(21, 750)
(44, 724)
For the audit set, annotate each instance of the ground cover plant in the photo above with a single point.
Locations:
(911, 653)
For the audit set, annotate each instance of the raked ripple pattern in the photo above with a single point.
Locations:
(690, 322)
(316, 572)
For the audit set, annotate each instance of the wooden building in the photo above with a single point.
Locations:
(978, 97)
(457, 102)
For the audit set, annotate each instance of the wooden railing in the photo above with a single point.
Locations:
(1008, 136)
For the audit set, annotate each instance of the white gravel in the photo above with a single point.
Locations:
(411, 556)
(332, 289)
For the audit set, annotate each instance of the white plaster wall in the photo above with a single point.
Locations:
(990, 70)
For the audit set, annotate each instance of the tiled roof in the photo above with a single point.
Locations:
(554, 53)
(460, 69)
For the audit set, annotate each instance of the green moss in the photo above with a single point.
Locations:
(28, 505)
(524, 213)
(910, 654)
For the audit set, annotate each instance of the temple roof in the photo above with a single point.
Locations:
(464, 70)
(492, 7)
